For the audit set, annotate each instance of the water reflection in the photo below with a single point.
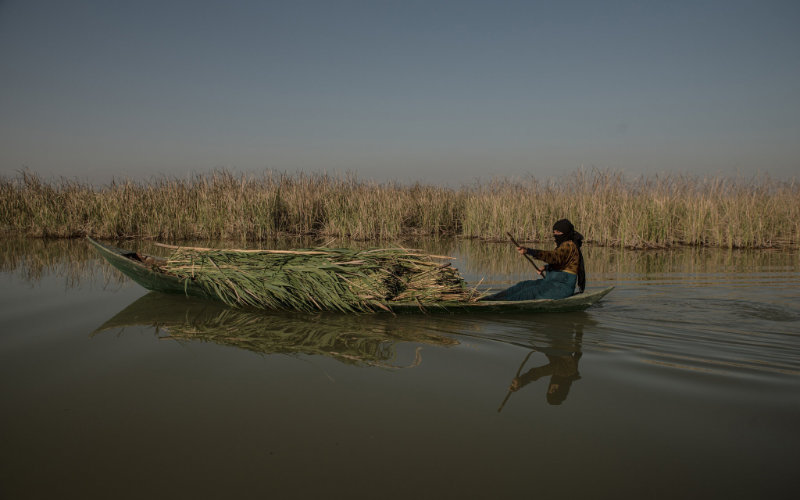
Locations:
(560, 344)
(34, 258)
(360, 340)
(481, 258)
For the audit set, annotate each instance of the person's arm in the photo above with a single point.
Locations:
(526, 251)
(558, 257)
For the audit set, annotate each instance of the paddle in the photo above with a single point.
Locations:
(508, 395)
(526, 255)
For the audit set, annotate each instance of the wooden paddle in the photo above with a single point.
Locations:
(526, 255)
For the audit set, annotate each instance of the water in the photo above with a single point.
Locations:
(683, 382)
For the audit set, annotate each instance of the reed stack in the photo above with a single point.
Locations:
(317, 279)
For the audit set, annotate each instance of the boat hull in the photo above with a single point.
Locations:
(131, 265)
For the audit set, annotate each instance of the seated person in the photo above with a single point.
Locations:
(564, 269)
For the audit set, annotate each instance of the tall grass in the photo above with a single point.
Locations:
(609, 209)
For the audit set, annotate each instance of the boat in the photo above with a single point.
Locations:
(143, 269)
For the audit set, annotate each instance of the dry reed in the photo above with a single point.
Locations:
(610, 210)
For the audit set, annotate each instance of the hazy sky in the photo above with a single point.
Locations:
(436, 91)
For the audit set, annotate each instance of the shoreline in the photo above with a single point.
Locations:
(608, 209)
(405, 237)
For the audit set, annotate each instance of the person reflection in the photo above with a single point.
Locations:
(563, 371)
(562, 368)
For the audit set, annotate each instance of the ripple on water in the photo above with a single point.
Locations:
(714, 326)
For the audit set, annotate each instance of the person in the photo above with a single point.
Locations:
(563, 371)
(564, 268)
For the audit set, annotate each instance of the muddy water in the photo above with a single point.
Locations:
(683, 382)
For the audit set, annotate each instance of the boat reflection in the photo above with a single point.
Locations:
(362, 340)
(561, 348)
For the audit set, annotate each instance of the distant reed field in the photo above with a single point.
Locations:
(609, 209)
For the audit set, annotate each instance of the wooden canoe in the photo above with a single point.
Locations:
(141, 268)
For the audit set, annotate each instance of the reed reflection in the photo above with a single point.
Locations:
(475, 257)
(359, 340)
(561, 348)
(34, 258)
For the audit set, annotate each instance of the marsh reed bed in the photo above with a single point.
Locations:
(608, 208)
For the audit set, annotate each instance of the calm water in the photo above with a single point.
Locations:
(683, 383)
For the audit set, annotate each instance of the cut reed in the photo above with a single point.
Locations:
(319, 279)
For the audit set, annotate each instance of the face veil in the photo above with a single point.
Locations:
(565, 227)
(569, 234)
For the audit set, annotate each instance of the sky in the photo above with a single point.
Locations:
(433, 91)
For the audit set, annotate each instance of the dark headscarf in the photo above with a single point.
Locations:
(566, 227)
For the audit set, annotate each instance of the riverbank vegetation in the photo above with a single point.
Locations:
(608, 208)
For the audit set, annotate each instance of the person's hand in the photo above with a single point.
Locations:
(521, 250)
(514, 385)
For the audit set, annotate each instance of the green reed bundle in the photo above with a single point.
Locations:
(319, 279)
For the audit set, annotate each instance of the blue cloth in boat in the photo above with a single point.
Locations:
(555, 285)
